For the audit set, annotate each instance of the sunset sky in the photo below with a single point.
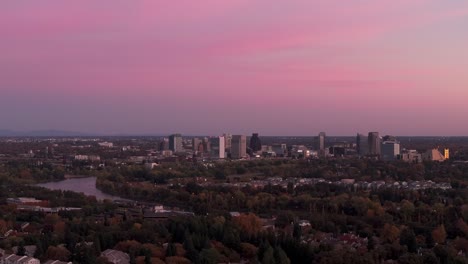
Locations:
(211, 66)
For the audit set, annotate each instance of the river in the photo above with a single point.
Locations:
(81, 185)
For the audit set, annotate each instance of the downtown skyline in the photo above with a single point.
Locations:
(295, 68)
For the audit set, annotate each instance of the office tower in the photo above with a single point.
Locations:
(389, 138)
(238, 147)
(374, 143)
(362, 144)
(255, 143)
(390, 149)
(206, 145)
(175, 143)
(321, 144)
(227, 139)
(196, 143)
(446, 153)
(321, 141)
(280, 149)
(217, 148)
(164, 144)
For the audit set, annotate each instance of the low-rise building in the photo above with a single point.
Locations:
(57, 262)
(433, 155)
(15, 259)
(116, 256)
(410, 156)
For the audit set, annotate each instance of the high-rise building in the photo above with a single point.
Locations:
(175, 143)
(321, 141)
(446, 153)
(390, 150)
(280, 150)
(255, 143)
(238, 146)
(196, 143)
(164, 144)
(362, 145)
(374, 143)
(321, 144)
(217, 148)
(227, 139)
(206, 145)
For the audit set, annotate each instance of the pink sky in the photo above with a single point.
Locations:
(241, 66)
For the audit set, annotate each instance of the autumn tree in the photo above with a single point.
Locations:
(390, 233)
(439, 234)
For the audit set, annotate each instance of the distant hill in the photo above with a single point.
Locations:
(41, 133)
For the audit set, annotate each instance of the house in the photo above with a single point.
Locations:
(234, 214)
(28, 250)
(57, 262)
(15, 259)
(304, 223)
(116, 257)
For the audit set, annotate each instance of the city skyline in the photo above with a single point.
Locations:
(204, 68)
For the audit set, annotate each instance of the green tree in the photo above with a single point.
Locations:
(191, 251)
(269, 256)
(280, 256)
(297, 232)
(209, 256)
(39, 250)
(21, 250)
(408, 239)
(171, 250)
(84, 254)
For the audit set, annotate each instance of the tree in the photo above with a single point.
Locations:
(280, 256)
(250, 224)
(430, 258)
(147, 255)
(439, 234)
(21, 250)
(220, 175)
(191, 252)
(248, 250)
(269, 256)
(297, 232)
(39, 250)
(57, 253)
(171, 250)
(407, 208)
(408, 239)
(209, 256)
(409, 259)
(390, 233)
(84, 254)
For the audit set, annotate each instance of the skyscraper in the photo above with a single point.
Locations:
(196, 143)
(321, 143)
(362, 144)
(175, 143)
(238, 146)
(164, 144)
(374, 143)
(390, 148)
(227, 139)
(255, 143)
(217, 148)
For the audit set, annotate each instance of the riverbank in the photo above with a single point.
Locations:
(69, 176)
